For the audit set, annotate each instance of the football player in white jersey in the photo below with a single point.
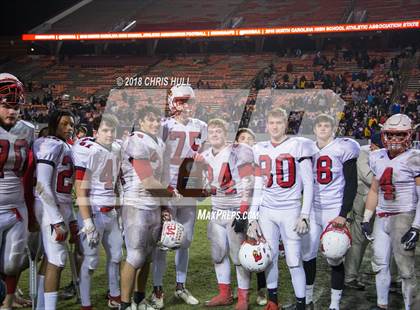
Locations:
(395, 195)
(335, 174)
(283, 171)
(53, 201)
(142, 172)
(16, 137)
(247, 136)
(231, 180)
(97, 164)
(183, 136)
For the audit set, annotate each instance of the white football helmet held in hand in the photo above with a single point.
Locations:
(172, 236)
(255, 256)
(335, 242)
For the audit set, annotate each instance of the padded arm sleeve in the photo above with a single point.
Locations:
(308, 185)
(44, 175)
(350, 187)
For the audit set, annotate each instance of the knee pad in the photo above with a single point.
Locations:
(293, 261)
(116, 257)
(91, 262)
(218, 252)
(13, 266)
(136, 257)
(58, 260)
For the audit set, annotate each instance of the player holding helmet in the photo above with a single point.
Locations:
(142, 171)
(183, 136)
(230, 177)
(284, 170)
(335, 174)
(395, 195)
(16, 137)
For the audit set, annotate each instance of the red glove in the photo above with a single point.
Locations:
(60, 231)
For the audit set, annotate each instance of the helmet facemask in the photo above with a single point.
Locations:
(396, 141)
(11, 93)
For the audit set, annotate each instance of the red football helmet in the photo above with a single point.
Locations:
(11, 90)
(397, 133)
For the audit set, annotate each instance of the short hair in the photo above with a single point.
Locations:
(147, 110)
(218, 122)
(108, 119)
(55, 119)
(43, 132)
(81, 129)
(244, 130)
(325, 118)
(278, 112)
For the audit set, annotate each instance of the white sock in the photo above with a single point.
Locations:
(84, 284)
(113, 278)
(309, 293)
(50, 300)
(181, 264)
(335, 299)
(243, 276)
(40, 294)
(223, 271)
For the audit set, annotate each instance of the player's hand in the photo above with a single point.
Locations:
(410, 239)
(198, 157)
(166, 215)
(74, 232)
(367, 230)
(339, 221)
(254, 230)
(240, 223)
(60, 231)
(92, 235)
(302, 224)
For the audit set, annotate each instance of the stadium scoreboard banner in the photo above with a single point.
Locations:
(313, 29)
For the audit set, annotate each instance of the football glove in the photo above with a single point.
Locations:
(302, 224)
(254, 230)
(91, 233)
(240, 223)
(367, 230)
(59, 232)
(410, 239)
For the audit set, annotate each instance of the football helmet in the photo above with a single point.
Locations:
(335, 241)
(396, 133)
(172, 236)
(255, 256)
(11, 90)
(179, 92)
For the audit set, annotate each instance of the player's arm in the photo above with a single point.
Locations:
(28, 189)
(350, 190)
(370, 207)
(144, 171)
(254, 231)
(246, 173)
(306, 170)
(411, 237)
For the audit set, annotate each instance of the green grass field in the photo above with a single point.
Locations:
(201, 281)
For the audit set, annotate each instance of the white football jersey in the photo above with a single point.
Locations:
(102, 165)
(225, 171)
(328, 172)
(14, 150)
(182, 141)
(278, 165)
(396, 177)
(57, 153)
(141, 146)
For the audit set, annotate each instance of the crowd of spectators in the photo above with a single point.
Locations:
(367, 92)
